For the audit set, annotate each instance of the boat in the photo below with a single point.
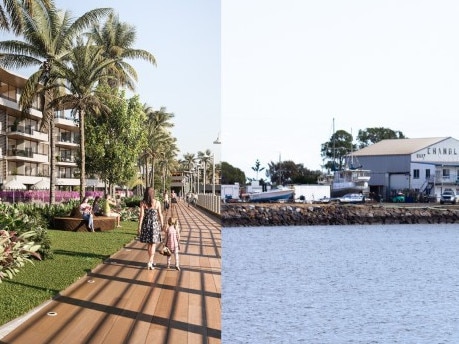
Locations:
(325, 179)
(347, 181)
(274, 195)
(351, 179)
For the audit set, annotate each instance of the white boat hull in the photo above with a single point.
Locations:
(271, 196)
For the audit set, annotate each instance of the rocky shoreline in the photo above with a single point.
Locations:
(294, 214)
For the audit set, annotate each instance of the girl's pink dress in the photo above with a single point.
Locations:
(172, 239)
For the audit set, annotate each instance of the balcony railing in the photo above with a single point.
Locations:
(26, 153)
(28, 132)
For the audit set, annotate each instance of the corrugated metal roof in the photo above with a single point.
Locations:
(398, 146)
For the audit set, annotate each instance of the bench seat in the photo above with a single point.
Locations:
(77, 224)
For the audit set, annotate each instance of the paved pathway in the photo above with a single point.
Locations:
(121, 301)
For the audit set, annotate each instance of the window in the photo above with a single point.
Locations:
(427, 174)
(7, 91)
(446, 173)
(416, 174)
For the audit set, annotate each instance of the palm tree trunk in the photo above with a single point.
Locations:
(52, 164)
(48, 113)
(153, 173)
(82, 156)
(146, 172)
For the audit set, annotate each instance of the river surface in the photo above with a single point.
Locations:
(341, 284)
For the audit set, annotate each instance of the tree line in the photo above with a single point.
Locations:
(333, 152)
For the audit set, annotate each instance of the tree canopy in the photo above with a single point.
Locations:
(114, 141)
(288, 172)
(341, 144)
(370, 136)
(231, 174)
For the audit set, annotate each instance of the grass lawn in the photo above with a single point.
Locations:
(75, 254)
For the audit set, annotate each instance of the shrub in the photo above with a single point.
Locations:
(15, 252)
(130, 214)
(132, 202)
(23, 218)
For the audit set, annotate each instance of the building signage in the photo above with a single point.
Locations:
(446, 152)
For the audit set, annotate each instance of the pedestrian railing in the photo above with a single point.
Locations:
(210, 202)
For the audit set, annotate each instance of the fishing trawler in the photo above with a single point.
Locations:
(349, 179)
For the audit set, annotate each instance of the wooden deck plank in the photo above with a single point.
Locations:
(128, 303)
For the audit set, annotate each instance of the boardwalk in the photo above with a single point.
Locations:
(121, 301)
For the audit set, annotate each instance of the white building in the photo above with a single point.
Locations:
(424, 166)
(24, 149)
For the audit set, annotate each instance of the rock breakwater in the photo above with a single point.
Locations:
(250, 215)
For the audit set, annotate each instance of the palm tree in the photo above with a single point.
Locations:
(82, 71)
(159, 137)
(168, 162)
(205, 157)
(47, 40)
(117, 39)
(188, 161)
(13, 11)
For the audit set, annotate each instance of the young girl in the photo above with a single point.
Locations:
(173, 241)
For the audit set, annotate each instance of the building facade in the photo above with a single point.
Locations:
(25, 149)
(422, 167)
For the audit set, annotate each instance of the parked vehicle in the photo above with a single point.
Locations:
(448, 196)
(352, 198)
(399, 198)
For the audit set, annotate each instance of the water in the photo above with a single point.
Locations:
(341, 284)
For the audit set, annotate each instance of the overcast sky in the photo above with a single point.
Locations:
(289, 67)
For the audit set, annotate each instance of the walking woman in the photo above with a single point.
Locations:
(150, 224)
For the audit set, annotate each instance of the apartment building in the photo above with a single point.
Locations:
(24, 148)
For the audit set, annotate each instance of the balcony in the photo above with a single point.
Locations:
(66, 160)
(66, 141)
(27, 133)
(26, 155)
(66, 123)
(452, 179)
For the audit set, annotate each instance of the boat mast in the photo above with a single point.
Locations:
(334, 148)
(352, 150)
(280, 170)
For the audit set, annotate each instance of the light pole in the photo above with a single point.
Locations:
(197, 177)
(213, 174)
(216, 142)
(204, 175)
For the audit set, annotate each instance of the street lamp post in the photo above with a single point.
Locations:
(213, 174)
(216, 142)
(204, 177)
(197, 179)
(198, 165)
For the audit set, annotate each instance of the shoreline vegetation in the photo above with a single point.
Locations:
(300, 214)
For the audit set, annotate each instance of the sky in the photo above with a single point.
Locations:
(184, 36)
(292, 68)
(271, 77)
